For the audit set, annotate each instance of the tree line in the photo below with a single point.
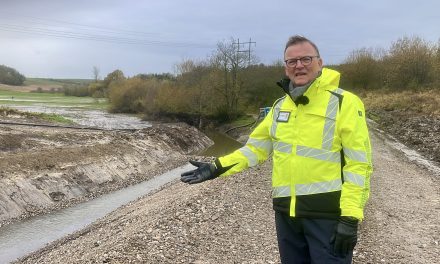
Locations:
(11, 76)
(221, 87)
(410, 63)
(228, 83)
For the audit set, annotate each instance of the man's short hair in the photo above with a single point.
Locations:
(293, 40)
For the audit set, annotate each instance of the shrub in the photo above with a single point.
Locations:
(11, 76)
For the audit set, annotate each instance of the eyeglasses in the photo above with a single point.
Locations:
(306, 60)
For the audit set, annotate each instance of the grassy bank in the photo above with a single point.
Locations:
(52, 118)
(50, 81)
(423, 102)
(8, 98)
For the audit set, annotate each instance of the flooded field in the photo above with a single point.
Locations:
(89, 117)
(85, 111)
(65, 162)
(50, 99)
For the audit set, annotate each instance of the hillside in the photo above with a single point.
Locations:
(45, 84)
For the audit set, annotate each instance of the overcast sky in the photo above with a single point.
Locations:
(66, 39)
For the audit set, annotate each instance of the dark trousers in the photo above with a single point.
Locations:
(306, 240)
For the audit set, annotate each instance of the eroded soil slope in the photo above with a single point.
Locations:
(43, 168)
(417, 131)
(230, 220)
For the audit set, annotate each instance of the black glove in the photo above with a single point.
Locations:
(205, 171)
(345, 236)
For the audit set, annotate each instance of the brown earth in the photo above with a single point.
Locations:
(30, 88)
(417, 131)
(231, 221)
(44, 168)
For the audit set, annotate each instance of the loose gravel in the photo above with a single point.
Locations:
(230, 220)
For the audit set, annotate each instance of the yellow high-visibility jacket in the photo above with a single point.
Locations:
(321, 152)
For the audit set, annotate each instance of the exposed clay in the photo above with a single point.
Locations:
(47, 168)
(231, 221)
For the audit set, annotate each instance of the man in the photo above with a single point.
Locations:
(318, 136)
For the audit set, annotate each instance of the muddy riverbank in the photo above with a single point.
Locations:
(45, 168)
(230, 220)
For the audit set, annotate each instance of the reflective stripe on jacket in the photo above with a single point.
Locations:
(321, 151)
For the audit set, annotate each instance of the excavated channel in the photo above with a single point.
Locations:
(41, 230)
(22, 238)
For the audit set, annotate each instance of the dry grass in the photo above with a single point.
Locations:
(28, 88)
(425, 102)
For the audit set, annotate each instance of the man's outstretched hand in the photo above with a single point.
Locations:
(205, 171)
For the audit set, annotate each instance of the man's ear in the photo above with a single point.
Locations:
(286, 71)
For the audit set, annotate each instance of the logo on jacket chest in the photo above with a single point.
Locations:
(283, 116)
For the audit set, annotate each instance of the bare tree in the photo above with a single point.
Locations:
(229, 61)
(195, 79)
(410, 62)
(362, 69)
(95, 73)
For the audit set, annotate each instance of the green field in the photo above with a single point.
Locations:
(9, 98)
(60, 82)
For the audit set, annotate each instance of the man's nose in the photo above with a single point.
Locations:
(299, 64)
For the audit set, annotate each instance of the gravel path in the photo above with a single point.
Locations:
(402, 216)
(231, 221)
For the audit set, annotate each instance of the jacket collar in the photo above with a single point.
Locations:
(328, 79)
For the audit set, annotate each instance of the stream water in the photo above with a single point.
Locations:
(21, 238)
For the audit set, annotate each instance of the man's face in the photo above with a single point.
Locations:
(302, 74)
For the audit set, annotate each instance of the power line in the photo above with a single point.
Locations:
(94, 37)
(248, 50)
(100, 28)
(70, 30)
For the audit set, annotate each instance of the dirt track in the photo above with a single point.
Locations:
(231, 221)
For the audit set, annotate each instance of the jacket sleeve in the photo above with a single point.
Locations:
(357, 156)
(256, 150)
